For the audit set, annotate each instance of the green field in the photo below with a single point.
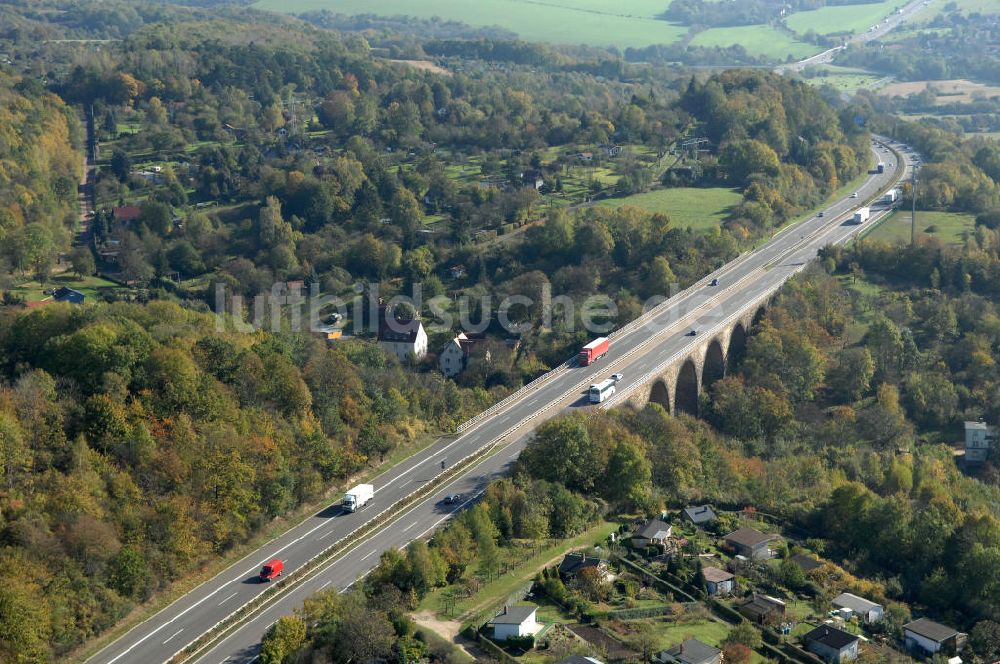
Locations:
(964, 6)
(701, 209)
(845, 79)
(593, 22)
(32, 290)
(842, 18)
(760, 39)
(951, 227)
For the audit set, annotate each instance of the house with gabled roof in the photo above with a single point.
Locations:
(832, 644)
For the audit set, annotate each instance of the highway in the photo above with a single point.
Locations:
(884, 27)
(633, 353)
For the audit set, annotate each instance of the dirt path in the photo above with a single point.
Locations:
(448, 630)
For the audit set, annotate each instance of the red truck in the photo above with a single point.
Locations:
(593, 351)
(272, 570)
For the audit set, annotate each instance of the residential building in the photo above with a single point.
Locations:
(763, 609)
(515, 621)
(404, 339)
(574, 563)
(454, 359)
(832, 644)
(654, 532)
(64, 294)
(689, 651)
(533, 179)
(699, 515)
(718, 581)
(931, 637)
(126, 213)
(867, 611)
(750, 543)
(979, 438)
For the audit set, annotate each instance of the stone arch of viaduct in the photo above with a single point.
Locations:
(678, 386)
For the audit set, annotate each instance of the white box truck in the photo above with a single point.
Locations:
(358, 497)
(891, 196)
(861, 215)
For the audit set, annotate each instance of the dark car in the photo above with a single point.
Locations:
(715, 282)
(452, 498)
(692, 332)
(821, 214)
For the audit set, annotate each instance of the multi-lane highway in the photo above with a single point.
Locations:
(634, 353)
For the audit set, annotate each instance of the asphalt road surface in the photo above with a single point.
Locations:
(633, 354)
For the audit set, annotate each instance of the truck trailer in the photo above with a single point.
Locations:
(358, 497)
(593, 351)
(861, 215)
(891, 196)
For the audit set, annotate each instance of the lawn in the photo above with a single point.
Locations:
(32, 290)
(494, 593)
(698, 208)
(949, 227)
(593, 22)
(757, 39)
(842, 18)
(707, 631)
(845, 79)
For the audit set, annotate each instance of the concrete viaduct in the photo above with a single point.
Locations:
(677, 383)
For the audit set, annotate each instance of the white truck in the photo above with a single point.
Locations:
(891, 196)
(861, 215)
(358, 497)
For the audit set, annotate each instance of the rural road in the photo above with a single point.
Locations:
(663, 335)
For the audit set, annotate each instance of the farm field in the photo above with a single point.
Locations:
(759, 39)
(593, 22)
(964, 6)
(949, 91)
(950, 226)
(845, 79)
(842, 18)
(699, 208)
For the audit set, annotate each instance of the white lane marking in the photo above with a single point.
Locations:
(228, 598)
(409, 526)
(325, 536)
(369, 554)
(174, 634)
(324, 585)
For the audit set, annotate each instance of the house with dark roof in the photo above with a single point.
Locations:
(654, 532)
(515, 621)
(806, 563)
(923, 635)
(64, 294)
(699, 515)
(832, 644)
(750, 543)
(762, 609)
(574, 563)
(718, 581)
(851, 605)
(532, 178)
(404, 339)
(689, 651)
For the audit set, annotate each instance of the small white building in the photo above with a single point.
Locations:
(867, 611)
(979, 438)
(515, 621)
(454, 359)
(930, 637)
(404, 339)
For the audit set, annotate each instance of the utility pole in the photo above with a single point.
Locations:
(913, 211)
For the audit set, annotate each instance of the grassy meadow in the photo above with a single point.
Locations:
(695, 207)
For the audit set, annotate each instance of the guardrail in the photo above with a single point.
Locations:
(329, 554)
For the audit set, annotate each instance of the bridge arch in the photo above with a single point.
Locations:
(737, 346)
(714, 367)
(686, 395)
(758, 316)
(660, 394)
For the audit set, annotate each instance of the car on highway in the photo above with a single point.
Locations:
(821, 215)
(854, 195)
(617, 377)
(452, 498)
(272, 570)
(715, 282)
(692, 332)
